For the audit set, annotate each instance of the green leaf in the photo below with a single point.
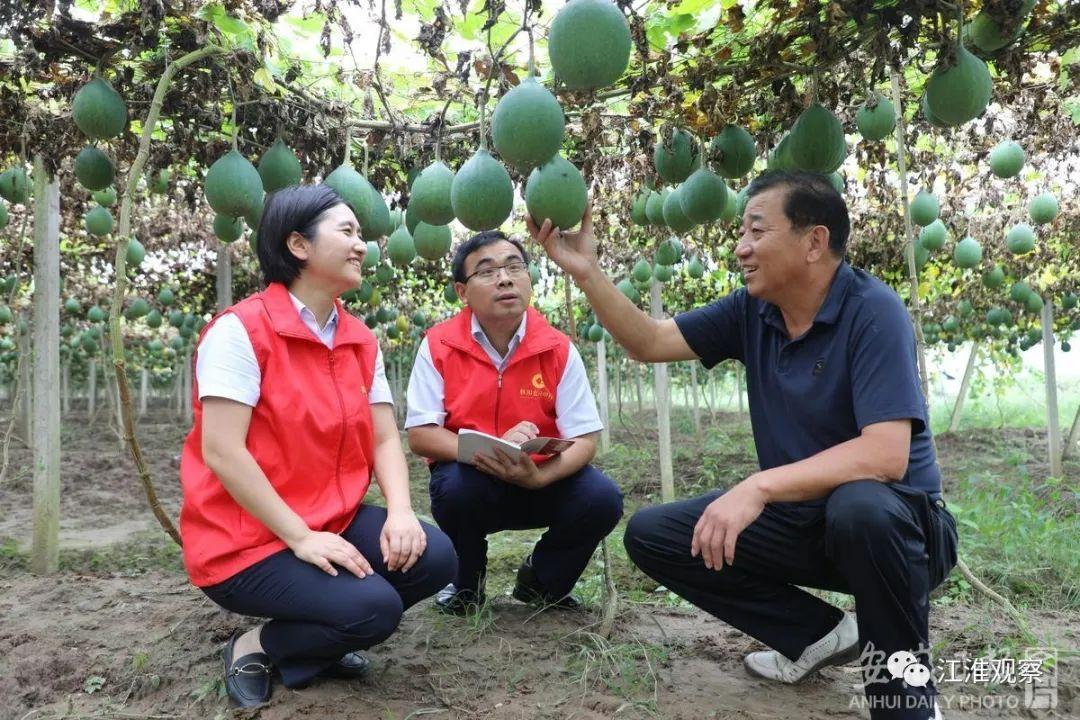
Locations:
(265, 80)
(93, 683)
(236, 32)
(230, 25)
(692, 7)
(210, 12)
(310, 25)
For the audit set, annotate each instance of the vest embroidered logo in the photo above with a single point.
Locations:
(538, 389)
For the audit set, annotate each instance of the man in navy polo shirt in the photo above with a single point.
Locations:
(849, 493)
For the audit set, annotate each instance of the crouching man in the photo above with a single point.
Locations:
(499, 368)
(849, 493)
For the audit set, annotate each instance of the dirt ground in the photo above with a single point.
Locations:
(119, 633)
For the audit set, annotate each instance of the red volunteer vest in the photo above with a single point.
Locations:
(311, 433)
(478, 397)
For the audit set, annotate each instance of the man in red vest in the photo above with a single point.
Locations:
(498, 367)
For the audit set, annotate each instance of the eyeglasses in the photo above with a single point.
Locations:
(513, 270)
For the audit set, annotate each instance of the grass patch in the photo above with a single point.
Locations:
(138, 556)
(1020, 537)
(628, 670)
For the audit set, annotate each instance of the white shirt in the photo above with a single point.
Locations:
(226, 365)
(575, 406)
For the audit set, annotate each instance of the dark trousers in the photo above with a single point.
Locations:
(578, 511)
(886, 544)
(315, 618)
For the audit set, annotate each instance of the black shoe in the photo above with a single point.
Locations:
(351, 666)
(452, 601)
(528, 590)
(247, 678)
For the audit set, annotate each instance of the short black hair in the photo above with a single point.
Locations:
(810, 199)
(299, 209)
(478, 241)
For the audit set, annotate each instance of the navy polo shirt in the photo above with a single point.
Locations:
(854, 367)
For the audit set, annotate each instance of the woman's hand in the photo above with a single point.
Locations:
(324, 550)
(402, 540)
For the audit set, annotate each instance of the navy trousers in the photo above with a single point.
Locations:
(887, 544)
(315, 618)
(578, 512)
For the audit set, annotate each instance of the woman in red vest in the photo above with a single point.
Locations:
(293, 417)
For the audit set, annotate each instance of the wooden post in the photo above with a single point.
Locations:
(706, 387)
(640, 369)
(1053, 422)
(663, 406)
(618, 385)
(403, 385)
(739, 383)
(114, 396)
(694, 393)
(144, 387)
(186, 390)
(224, 277)
(710, 387)
(45, 552)
(65, 387)
(969, 371)
(91, 389)
(399, 394)
(178, 386)
(601, 388)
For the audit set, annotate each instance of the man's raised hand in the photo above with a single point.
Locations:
(574, 252)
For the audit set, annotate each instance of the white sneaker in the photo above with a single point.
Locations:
(838, 647)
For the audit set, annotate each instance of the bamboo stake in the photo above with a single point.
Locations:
(739, 384)
(223, 277)
(639, 371)
(618, 384)
(602, 389)
(694, 392)
(144, 387)
(663, 406)
(186, 389)
(1053, 422)
(65, 387)
(91, 389)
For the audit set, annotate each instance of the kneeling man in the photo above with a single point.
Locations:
(499, 368)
